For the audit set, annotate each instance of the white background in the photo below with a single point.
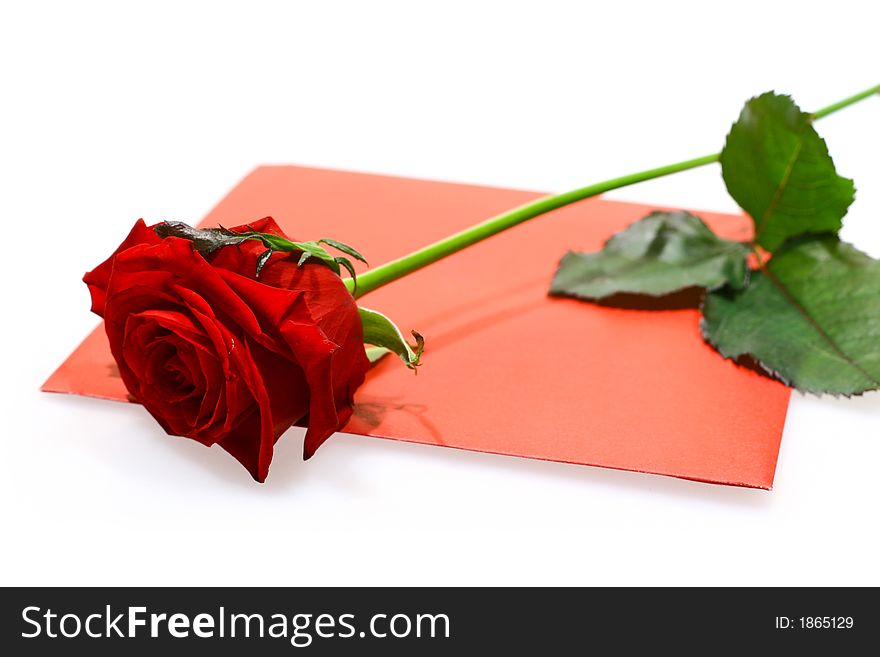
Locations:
(113, 111)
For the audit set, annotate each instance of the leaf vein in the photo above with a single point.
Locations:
(816, 326)
(783, 183)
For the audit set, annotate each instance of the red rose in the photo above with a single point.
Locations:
(217, 355)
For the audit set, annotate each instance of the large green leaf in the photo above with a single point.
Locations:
(380, 331)
(660, 254)
(812, 317)
(778, 169)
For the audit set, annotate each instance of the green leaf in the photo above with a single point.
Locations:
(663, 253)
(345, 262)
(272, 242)
(778, 169)
(375, 354)
(380, 331)
(345, 248)
(812, 317)
(314, 250)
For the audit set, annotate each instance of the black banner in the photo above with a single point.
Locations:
(278, 621)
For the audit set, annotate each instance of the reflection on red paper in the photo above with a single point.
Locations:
(507, 369)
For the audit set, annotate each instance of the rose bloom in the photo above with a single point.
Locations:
(220, 356)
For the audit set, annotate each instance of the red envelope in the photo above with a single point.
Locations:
(508, 369)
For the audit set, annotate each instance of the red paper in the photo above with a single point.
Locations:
(508, 369)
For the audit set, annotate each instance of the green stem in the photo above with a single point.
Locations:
(846, 102)
(391, 271)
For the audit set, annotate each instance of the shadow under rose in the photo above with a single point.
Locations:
(372, 411)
